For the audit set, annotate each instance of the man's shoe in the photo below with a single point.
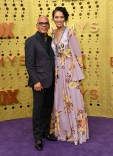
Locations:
(49, 137)
(38, 144)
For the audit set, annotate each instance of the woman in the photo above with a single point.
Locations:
(69, 119)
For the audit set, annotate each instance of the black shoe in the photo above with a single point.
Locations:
(38, 144)
(49, 137)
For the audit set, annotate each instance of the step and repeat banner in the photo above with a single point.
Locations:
(92, 21)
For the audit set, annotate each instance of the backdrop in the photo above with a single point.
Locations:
(92, 21)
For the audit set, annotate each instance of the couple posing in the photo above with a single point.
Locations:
(55, 67)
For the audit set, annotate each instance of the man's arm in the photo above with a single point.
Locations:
(30, 60)
(38, 86)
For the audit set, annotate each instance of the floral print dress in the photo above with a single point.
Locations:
(69, 118)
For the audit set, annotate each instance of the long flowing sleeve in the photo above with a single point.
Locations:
(76, 53)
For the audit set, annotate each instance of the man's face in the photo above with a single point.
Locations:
(43, 25)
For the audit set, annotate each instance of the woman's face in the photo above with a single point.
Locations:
(59, 19)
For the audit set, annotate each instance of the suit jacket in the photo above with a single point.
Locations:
(39, 64)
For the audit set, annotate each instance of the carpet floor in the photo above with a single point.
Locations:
(16, 139)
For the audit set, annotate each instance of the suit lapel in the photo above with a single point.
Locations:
(50, 49)
(40, 39)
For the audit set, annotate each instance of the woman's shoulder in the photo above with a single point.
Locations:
(54, 31)
(71, 32)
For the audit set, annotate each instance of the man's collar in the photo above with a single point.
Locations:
(42, 34)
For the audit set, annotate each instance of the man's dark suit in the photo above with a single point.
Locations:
(39, 61)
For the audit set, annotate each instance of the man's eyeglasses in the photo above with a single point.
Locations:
(41, 23)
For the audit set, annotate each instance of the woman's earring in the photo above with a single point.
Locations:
(65, 23)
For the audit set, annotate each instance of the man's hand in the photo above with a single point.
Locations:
(38, 86)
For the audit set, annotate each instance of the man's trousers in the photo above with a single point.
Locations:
(42, 109)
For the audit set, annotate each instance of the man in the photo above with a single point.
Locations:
(39, 61)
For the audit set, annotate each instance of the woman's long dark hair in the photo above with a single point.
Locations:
(63, 10)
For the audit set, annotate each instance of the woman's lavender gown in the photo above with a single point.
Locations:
(69, 118)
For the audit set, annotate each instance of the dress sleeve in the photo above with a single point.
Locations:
(75, 48)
